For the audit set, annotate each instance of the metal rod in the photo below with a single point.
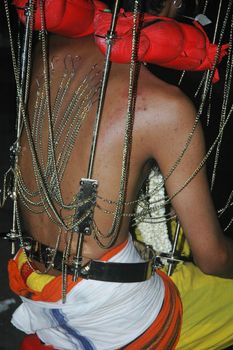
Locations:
(109, 41)
(77, 260)
(171, 263)
(214, 40)
(15, 148)
(25, 45)
(217, 22)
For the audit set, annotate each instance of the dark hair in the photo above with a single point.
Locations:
(154, 7)
(150, 6)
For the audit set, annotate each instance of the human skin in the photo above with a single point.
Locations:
(164, 117)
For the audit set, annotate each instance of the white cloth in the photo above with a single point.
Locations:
(97, 315)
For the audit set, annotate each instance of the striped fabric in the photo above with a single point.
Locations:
(162, 334)
(165, 330)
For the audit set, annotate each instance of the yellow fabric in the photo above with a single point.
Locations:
(138, 235)
(207, 309)
(182, 244)
(207, 304)
(22, 258)
(35, 281)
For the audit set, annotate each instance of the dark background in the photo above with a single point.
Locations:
(9, 337)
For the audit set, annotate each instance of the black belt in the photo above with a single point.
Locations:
(101, 270)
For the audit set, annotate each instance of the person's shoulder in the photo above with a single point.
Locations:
(163, 102)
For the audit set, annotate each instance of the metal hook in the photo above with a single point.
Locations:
(53, 62)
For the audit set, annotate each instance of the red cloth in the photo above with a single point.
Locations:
(163, 41)
(69, 18)
(32, 342)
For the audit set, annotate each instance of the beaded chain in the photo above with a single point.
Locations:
(63, 134)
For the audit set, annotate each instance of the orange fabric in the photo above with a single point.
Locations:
(114, 251)
(162, 334)
(52, 291)
(26, 271)
(165, 330)
(32, 342)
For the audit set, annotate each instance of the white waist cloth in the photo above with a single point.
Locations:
(96, 315)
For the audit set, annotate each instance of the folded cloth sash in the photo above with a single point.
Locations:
(20, 272)
(138, 303)
(163, 333)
